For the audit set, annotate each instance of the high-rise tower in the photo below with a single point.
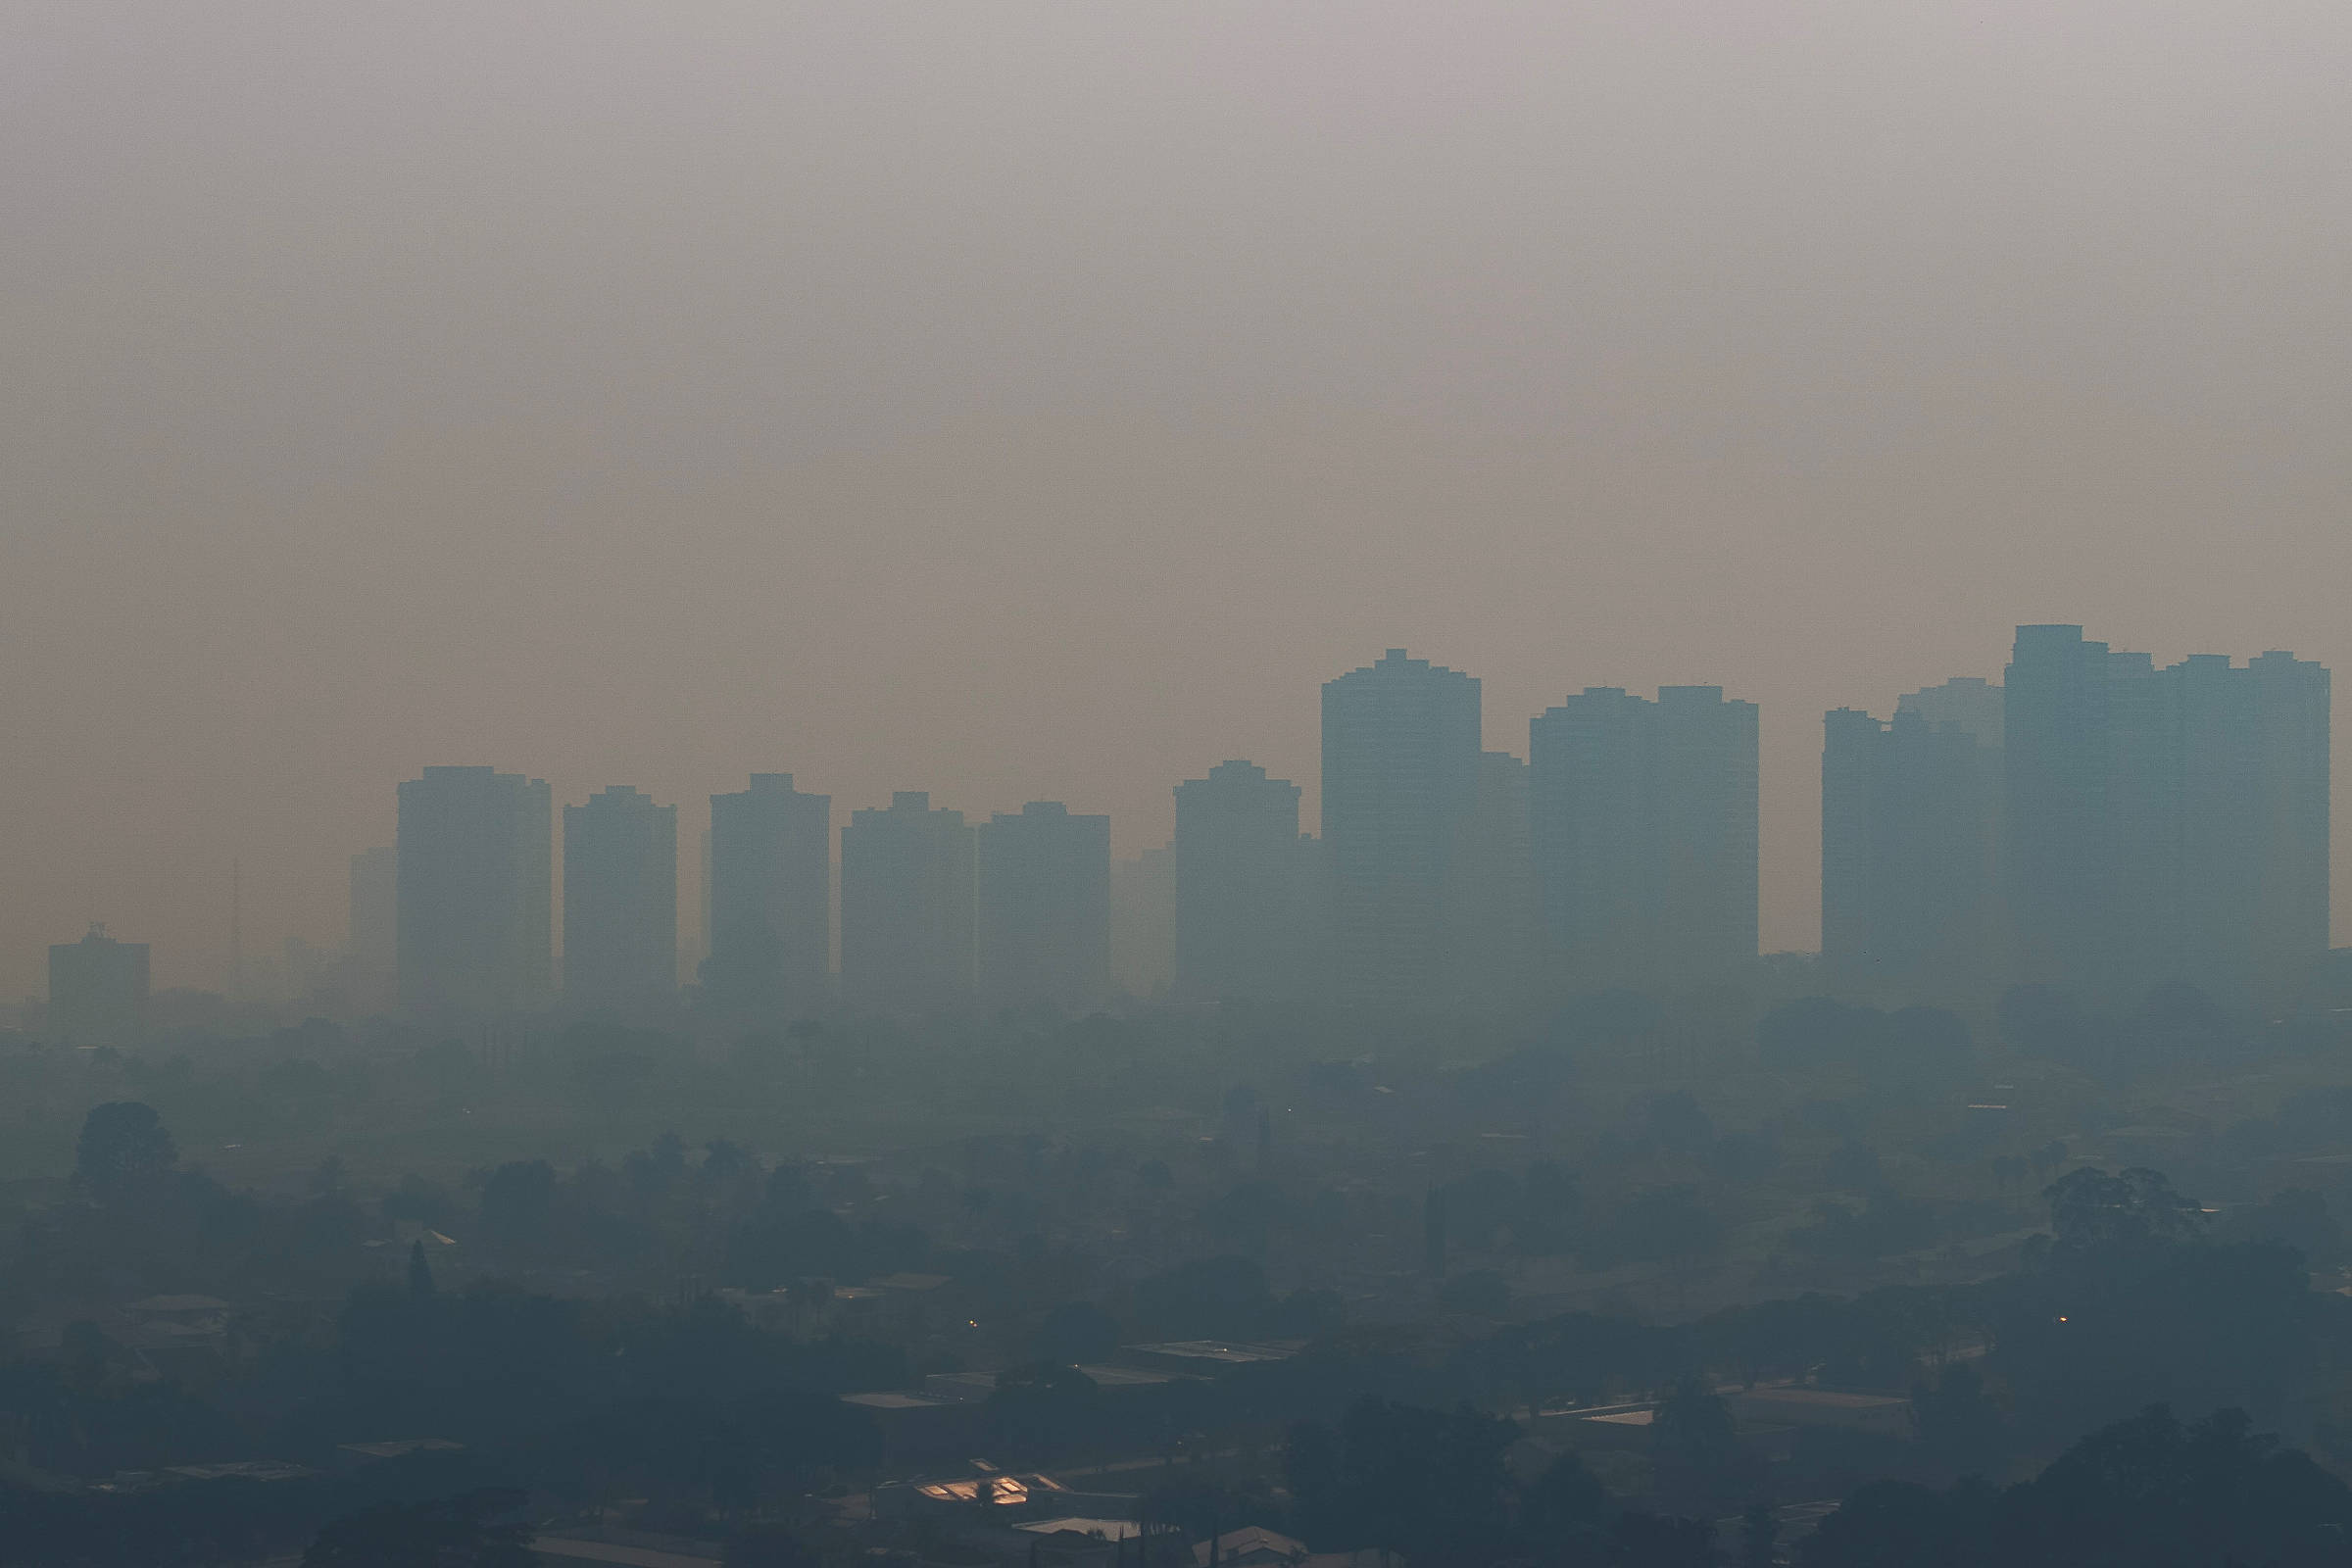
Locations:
(906, 904)
(1643, 828)
(1242, 914)
(97, 990)
(2165, 824)
(621, 901)
(1045, 906)
(475, 865)
(770, 898)
(1400, 779)
(1910, 844)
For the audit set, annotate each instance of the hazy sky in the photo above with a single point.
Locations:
(1020, 400)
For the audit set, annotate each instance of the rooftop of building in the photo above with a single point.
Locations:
(1248, 1544)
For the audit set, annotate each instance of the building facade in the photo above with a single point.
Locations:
(1911, 903)
(1045, 907)
(97, 990)
(474, 873)
(1401, 759)
(770, 899)
(1643, 832)
(908, 902)
(621, 901)
(2165, 824)
(1242, 914)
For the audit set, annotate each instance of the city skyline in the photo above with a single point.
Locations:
(692, 934)
(767, 769)
(1626, 853)
(1567, 352)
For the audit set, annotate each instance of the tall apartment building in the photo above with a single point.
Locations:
(474, 863)
(1910, 844)
(1401, 759)
(2290, 934)
(1045, 906)
(906, 904)
(97, 990)
(1643, 831)
(621, 901)
(770, 899)
(2165, 824)
(1244, 911)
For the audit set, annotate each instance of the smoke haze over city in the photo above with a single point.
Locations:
(848, 784)
(1024, 402)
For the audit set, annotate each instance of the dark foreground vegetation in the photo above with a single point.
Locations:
(1838, 1285)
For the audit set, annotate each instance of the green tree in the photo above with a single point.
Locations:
(2297, 1216)
(518, 1201)
(2094, 1210)
(1700, 1460)
(125, 1151)
(2148, 1492)
(1956, 1421)
(769, 1547)
(445, 1533)
(1565, 1504)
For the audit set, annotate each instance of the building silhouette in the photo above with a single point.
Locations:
(1643, 832)
(1243, 911)
(1911, 903)
(908, 902)
(1401, 752)
(1968, 702)
(2165, 825)
(97, 990)
(1045, 907)
(621, 901)
(770, 899)
(474, 862)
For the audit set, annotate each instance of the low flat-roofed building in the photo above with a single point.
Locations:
(241, 1470)
(354, 1455)
(1790, 1404)
(963, 1386)
(1099, 1529)
(920, 1427)
(990, 1489)
(567, 1552)
(1206, 1357)
(978, 1386)
(1112, 1379)
(1250, 1546)
(195, 1310)
(1645, 1417)
(887, 1400)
